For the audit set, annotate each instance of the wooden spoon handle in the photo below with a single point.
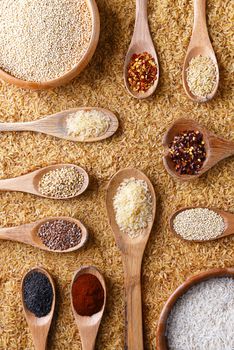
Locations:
(18, 234)
(221, 148)
(230, 226)
(19, 183)
(88, 342)
(26, 126)
(200, 31)
(141, 24)
(39, 339)
(133, 304)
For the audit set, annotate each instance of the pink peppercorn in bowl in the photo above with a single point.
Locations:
(161, 337)
(76, 69)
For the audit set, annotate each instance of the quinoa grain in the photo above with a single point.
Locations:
(61, 183)
(198, 224)
(43, 39)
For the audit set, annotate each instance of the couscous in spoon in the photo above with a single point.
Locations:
(39, 327)
(29, 183)
(141, 42)
(56, 125)
(132, 250)
(28, 234)
(227, 217)
(199, 45)
(88, 325)
(216, 147)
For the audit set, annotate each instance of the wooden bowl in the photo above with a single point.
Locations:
(64, 79)
(161, 339)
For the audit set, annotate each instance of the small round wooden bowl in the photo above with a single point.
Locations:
(161, 338)
(64, 79)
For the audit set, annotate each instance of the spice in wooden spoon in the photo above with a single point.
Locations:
(84, 124)
(61, 181)
(53, 234)
(141, 68)
(88, 300)
(38, 298)
(191, 150)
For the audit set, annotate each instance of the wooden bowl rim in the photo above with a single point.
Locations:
(182, 289)
(71, 74)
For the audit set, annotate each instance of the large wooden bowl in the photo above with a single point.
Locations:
(75, 70)
(161, 339)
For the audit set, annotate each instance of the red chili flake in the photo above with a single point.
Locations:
(142, 72)
(188, 152)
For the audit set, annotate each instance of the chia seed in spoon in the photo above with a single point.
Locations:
(60, 234)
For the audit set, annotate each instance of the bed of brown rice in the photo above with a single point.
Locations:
(168, 261)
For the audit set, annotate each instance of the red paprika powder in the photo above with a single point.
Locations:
(87, 295)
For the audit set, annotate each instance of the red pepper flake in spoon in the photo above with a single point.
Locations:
(188, 152)
(142, 72)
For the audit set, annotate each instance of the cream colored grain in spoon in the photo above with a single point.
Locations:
(228, 219)
(200, 44)
(132, 250)
(30, 183)
(56, 125)
(28, 234)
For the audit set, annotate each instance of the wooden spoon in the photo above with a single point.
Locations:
(141, 42)
(39, 327)
(88, 325)
(28, 234)
(217, 148)
(132, 250)
(199, 45)
(227, 217)
(161, 338)
(56, 125)
(29, 183)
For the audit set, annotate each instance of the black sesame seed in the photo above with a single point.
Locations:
(37, 293)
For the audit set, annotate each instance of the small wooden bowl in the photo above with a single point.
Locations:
(64, 79)
(161, 338)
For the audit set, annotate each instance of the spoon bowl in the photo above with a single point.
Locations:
(199, 45)
(75, 71)
(39, 326)
(161, 338)
(141, 42)
(227, 217)
(88, 325)
(132, 250)
(216, 147)
(29, 183)
(28, 234)
(56, 125)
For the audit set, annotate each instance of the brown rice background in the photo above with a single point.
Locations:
(167, 261)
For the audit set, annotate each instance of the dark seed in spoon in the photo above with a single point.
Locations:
(60, 234)
(37, 293)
